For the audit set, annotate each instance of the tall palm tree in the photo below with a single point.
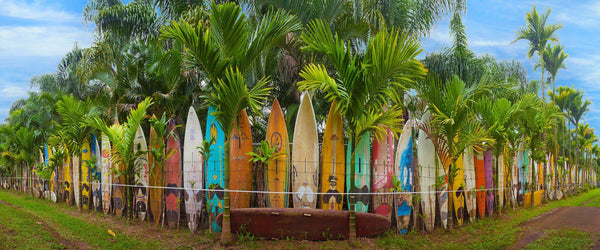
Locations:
(122, 140)
(538, 33)
(577, 109)
(362, 83)
(226, 50)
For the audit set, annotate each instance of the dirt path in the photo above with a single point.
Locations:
(585, 219)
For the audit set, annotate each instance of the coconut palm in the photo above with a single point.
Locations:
(122, 140)
(538, 33)
(362, 83)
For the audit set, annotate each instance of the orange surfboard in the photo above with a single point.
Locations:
(480, 183)
(277, 176)
(333, 161)
(240, 166)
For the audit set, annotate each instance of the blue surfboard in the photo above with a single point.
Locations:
(95, 174)
(215, 166)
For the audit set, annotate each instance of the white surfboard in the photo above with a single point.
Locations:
(106, 175)
(501, 180)
(426, 155)
(469, 174)
(141, 179)
(305, 156)
(192, 169)
(76, 182)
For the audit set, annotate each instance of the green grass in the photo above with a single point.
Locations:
(69, 227)
(20, 230)
(563, 239)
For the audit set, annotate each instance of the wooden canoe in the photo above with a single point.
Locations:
(333, 162)
(192, 169)
(240, 165)
(277, 176)
(304, 224)
(156, 178)
(173, 178)
(305, 156)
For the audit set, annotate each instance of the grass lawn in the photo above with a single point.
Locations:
(27, 222)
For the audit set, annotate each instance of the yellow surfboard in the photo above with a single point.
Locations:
(85, 174)
(278, 170)
(458, 191)
(333, 161)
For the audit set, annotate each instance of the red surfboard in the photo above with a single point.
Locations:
(480, 183)
(173, 178)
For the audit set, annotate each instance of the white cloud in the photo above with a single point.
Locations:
(14, 91)
(36, 10)
(20, 41)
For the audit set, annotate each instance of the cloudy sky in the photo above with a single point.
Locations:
(34, 35)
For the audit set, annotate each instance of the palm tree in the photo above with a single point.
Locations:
(226, 50)
(538, 33)
(577, 109)
(122, 140)
(362, 83)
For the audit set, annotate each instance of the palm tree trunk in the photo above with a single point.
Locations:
(226, 230)
(351, 207)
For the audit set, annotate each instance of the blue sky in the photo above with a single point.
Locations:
(34, 35)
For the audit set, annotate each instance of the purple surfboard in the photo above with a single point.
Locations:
(489, 182)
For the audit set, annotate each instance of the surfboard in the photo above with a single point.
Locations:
(141, 178)
(240, 165)
(76, 183)
(427, 181)
(442, 193)
(480, 183)
(526, 172)
(362, 174)
(215, 167)
(333, 161)
(383, 173)
(277, 176)
(305, 156)
(469, 177)
(515, 179)
(404, 174)
(501, 179)
(106, 175)
(304, 224)
(192, 169)
(173, 178)
(85, 174)
(119, 199)
(67, 177)
(458, 191)
(156, 178)
(95, 174)
(489, 181)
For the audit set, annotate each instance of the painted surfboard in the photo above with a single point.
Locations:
(192, 169)
(106, 175)
(500, 180)
(458, 191)
(67, 178)
(480, 183)
(526, 171)
(383, 173)
(215, 167)
(156, 178)
(95, 174)
(141, 178)
(520, 182)
(469, 174)
(515, 179)
(76, 183)
(304, 224)
(442, 193)
(86, 155)
(277, 176)
(305, 156)
(427, 181)
(489, 181)
(540, 174)
(404, 174)
(362, 173)
(173, 178)
(333, 162)
(240, 166)
(118, 190)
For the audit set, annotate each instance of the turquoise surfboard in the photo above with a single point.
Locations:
(362, 179)
(215, 166)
